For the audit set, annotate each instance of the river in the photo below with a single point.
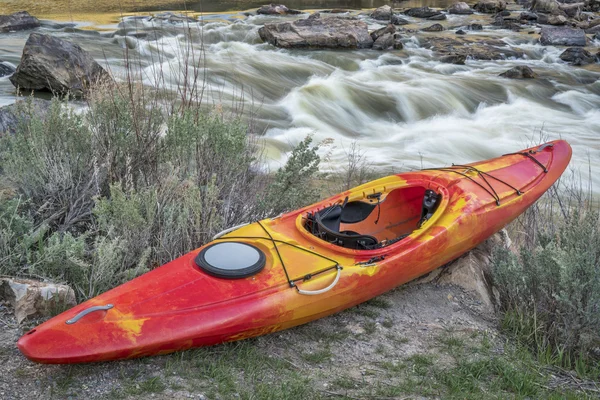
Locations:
(404, 108)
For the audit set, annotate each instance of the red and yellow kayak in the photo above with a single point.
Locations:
(286, 271)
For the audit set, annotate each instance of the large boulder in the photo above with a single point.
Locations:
(460, 8)
(383, 13)
(563, 36)
(544, 6)
(519, 72)
(18, 21)
(490, 6)
(276, 9)
(571, 10)
(35, 299)
(50, 63)
(422, 12)
(577, 56)
(12, 114)
(318, 33)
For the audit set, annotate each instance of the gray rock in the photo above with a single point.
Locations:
(479, 49)
(519, 72)
(460, 32)
(476, 27)
(398, 42)
(460, 8)
(398, 20)
(18, 21)
(577, 56)
(490, 6)
(458, 59)
(12, 114)
(544, 6)
(439, 17)
(49, 63)
(528, 16)
(35, 299)
(318, 33)
(563, 36)
(382, 31)
(383, 13)
(593, 29)
(433, 28)
(384, 42)
(571, 10)
(276, 9)
(6, 69)
(551, 19)
(421, 12)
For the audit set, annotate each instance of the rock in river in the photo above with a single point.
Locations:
(433, 28)
(563, 36)
(398, 20)
(544, 6)
(22, 110)
(519, 72)
(422, 12)
(383, 13)
(318, 33)
(18, 21)
(490, 6)
(276, 9)
(460, 8)
(49, 63)
(577, 56)
(551, 19)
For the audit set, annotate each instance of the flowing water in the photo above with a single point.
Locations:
(404, 108)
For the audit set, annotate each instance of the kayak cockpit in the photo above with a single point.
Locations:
(378, 220)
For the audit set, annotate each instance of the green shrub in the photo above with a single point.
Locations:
(49, 162)
(551, 291)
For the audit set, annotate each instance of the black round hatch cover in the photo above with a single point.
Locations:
(231, 260)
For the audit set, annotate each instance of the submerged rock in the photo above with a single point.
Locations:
(53, 64)
(458, 59)
(476, 49)
(422, 12)
(383, 13)
(490, 6)
(563, 36)
(318, 33)
(439, 17)
(35, 299)
(276, 9)
(519, 72)
(18, 21)
(460, 8)
(577, 56)
(6, 69)
(433, 28)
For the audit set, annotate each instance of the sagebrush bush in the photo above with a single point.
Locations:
(550, 291)
(106, 193)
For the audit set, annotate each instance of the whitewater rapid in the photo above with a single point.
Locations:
(404, 108)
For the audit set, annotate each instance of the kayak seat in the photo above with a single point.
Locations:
(325, 224)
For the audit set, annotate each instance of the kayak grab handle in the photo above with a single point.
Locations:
(324, 290)
(226, 231)
(87, 311)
